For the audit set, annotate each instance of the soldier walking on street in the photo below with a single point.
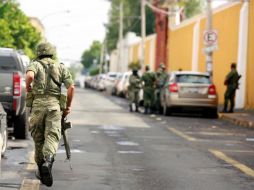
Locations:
(161, 78)
(133, 89)
(149, 81)
(231, 82)
(44, 78)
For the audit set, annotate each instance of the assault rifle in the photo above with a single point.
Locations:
(66, 125)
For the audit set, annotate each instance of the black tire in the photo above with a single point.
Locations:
(20, 131)
(212, 113)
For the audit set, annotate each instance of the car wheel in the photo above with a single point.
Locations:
(214, 113)
(20, 131)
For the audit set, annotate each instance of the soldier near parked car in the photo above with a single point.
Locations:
(149, 81)
(44, 78)
(161, 77)
(231, 82)
(134, 89)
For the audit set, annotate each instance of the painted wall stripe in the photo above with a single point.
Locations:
(242, 54)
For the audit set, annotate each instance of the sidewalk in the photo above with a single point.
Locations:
(242, 118)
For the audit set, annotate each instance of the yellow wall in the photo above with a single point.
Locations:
(135, 53)
(226, 22)
(180, 48)
(250, 67)
(147, 51)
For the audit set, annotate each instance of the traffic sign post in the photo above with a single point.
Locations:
(210, 37)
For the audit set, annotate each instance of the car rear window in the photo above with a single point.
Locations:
(190, 78)
(7, 63)
(112, 76)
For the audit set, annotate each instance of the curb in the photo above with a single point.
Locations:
(30, 184)
(237, 121)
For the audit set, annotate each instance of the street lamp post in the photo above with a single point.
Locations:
(120, 38)
(143, 32)
(209, 27)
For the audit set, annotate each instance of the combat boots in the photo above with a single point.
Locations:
(146, 110)
(46, 175)
(137, 110)
(38, 172)
(130, 108)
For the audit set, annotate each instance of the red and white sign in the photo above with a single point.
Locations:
(210, 37)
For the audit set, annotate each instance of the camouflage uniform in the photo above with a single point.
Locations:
(161, 77)
(232, 84)
(45, 118)
(133, 90)
(149, 79)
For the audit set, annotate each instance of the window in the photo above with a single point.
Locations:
(190, 78)
(7, 63)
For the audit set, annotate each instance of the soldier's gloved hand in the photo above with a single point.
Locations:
(67, 111)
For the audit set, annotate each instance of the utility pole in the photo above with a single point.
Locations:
(143, 32)
(120, 40)
(209, 27)
(102, 57)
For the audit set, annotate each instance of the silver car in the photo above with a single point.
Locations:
(192, 91)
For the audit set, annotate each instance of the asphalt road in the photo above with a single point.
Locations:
(113, 149)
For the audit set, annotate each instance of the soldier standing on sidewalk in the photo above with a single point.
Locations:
(231, 82)
(133, 89)
(161, 78)
(149, 80)
(44, 78)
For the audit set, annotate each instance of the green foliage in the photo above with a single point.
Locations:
(93, 53)
(192, 7)
(94, 71)
(134, 66)
(132, 21)
(16, 30)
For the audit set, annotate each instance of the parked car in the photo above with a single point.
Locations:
(121, 84)
(189, 91)
(12, 91)
(110, 80)
(101, 82)
(3, 130)
(116, 82)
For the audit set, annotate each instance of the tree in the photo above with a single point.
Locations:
(92, 54)
(16, 31)
(192, 7)
(132, 21)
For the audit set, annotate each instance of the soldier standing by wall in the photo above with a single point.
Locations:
(149, 81)
(44, 78)
(231, 82)
(133, 89)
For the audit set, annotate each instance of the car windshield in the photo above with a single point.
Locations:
(112, 76)
(7, 63)
(191, 78)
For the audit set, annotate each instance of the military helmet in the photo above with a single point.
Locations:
(46, 48)
(162, 66)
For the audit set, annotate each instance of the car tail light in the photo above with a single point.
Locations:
(14, 105)
(173, 87)
(212, 90)
(16, 84)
